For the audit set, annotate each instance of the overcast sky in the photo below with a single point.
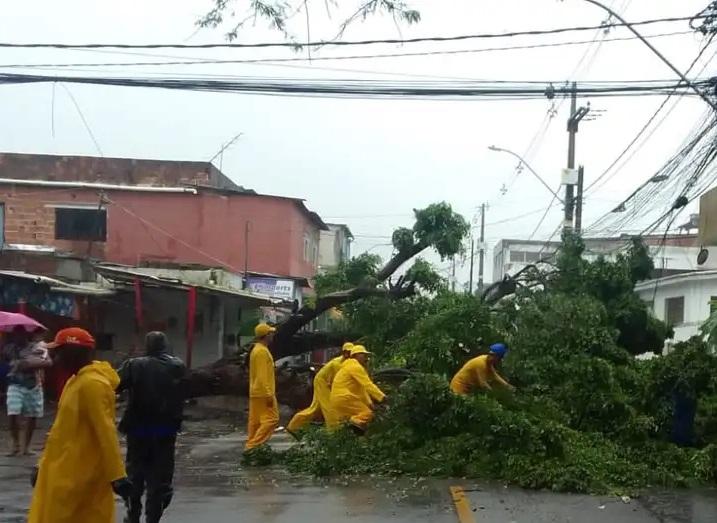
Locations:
(366, 163)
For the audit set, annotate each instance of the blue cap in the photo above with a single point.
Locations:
(498, 349)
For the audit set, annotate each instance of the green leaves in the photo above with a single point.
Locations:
(587, 416)
(439, 227)
(429, 431)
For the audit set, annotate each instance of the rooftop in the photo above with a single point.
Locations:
(676, 279)
(341, 226)
(650, 239)
(128, 174)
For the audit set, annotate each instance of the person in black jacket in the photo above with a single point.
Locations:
(151, 422)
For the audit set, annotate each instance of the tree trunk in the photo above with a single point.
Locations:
(229, 377)
(295, 387)
(288, 341)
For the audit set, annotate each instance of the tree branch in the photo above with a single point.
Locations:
(287, 341)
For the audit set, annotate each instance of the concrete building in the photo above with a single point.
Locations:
(180, 235)
(335, 245)
(135, 211)
(671, 253)
(684, 301)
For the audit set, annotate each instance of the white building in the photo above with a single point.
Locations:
(334, 245)
(671, 253)
(684, 301)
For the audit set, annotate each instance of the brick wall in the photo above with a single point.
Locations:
(120, 171)
(34, 264)
(30, 217)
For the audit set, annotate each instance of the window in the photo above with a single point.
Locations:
(532, 257)
(80, 224)
(307, 247)
(517, 256)
(675, 311)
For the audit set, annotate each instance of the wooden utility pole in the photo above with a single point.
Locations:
(453, 274)
(481, 256)
(579, 201)
(576, 115)
(470, 277)
(247, 228)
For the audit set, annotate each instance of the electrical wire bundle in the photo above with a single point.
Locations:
(688, 173)
(371, 88)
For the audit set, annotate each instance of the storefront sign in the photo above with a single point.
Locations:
(279, 289)
(13, 292)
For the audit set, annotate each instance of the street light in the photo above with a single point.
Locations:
(540, 178)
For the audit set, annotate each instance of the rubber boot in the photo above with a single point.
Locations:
(359, 431)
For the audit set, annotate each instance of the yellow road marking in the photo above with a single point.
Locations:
(463, 508)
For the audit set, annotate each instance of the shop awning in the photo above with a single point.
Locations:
(126, 276)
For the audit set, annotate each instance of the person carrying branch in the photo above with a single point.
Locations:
(480, 373)
(353, 393)
(263, 407)
(321, 403)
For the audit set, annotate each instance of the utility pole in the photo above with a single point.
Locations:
(453, 275)
(470, 278)
(481, 256)
(247, 227)
(576, 115)
(579, 201)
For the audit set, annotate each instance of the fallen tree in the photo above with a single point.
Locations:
(436, 227)
(587, 415)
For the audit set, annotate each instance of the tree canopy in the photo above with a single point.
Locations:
(233, 15)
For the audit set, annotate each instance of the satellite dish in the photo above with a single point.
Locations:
(702, 256)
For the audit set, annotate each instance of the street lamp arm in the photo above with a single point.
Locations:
(534, 173)
(652, 48)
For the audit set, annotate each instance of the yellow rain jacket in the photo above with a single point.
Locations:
(353, 394)
(82, 455)
(321, 403)
(477, 372)
(263, 407)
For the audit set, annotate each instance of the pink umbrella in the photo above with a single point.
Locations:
(10, 320)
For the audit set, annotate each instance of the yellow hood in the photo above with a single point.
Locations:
(103, 369)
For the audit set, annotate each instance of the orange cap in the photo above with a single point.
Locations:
(73, 336)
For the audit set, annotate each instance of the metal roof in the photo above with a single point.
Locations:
(59, 285)
(128, 276)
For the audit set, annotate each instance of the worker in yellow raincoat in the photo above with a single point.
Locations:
(263, 407)
(480, 372)
(321, 403)
(81, 467)
(353, 393)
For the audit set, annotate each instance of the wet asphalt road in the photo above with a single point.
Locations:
(212, 488)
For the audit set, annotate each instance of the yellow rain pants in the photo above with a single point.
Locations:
(353, 394)
(263, 407)
(477, 372)
(82, 455)
(321, 404)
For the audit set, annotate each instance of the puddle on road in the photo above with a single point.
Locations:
(681, 506)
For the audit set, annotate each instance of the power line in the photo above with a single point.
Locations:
(352, 88)
(348, 43)
(277, 61)
(646, 126)
(600, 37)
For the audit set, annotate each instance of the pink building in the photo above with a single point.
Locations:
(136, 211)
